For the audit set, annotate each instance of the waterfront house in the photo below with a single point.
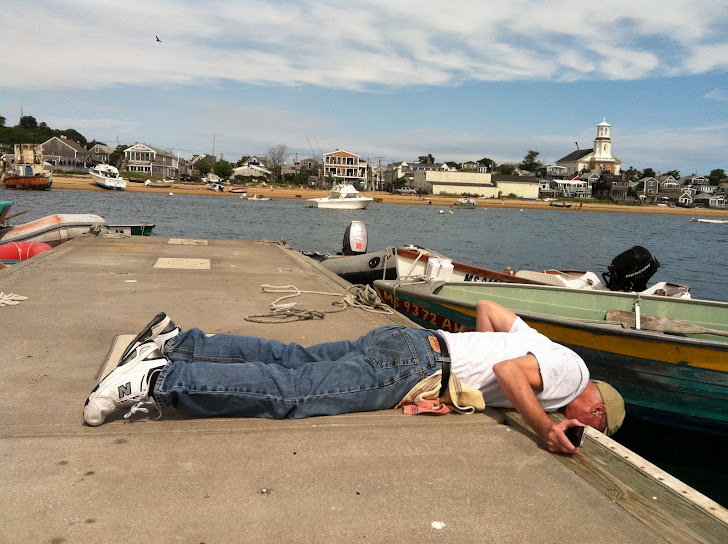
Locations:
(65, 153)
(610, 187)
(100, 153)
(345, 167)
(150, 161)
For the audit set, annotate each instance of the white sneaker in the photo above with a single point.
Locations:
(126, 385)
(160, 329)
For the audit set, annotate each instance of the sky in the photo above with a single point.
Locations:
(388, 80)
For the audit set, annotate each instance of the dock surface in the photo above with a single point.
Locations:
(369, 477)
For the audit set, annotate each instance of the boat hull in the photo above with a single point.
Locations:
(20, 251)
(359, 269)
(141, 229)
(52, 229)
(37, 183)
(668, 379)
(113, 185)
(338, 204)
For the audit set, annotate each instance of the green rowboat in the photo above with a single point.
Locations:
(675, 375)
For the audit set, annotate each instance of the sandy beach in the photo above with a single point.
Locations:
(84, 182)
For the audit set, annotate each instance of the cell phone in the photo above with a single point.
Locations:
(576, 435)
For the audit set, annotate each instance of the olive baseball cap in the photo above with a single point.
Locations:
(614, 404)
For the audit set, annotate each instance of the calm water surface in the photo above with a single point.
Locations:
(690, 253)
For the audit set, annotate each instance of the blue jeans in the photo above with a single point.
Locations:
(226, 375)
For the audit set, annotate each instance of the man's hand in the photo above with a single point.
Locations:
(519, 378)
(554, 437)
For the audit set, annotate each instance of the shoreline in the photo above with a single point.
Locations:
(84, 182)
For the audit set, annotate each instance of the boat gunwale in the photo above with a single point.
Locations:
(421, 290)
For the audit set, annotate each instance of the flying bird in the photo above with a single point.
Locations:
(160, 41)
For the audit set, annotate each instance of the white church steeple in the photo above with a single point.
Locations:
(603, 143)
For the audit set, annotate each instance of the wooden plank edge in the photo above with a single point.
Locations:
(668, 506)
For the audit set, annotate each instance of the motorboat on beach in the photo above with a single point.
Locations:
(668, 357)
(465, 202)
(28, 170)
(342, 196)
(107, 176)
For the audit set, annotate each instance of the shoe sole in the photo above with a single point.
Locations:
(144, 336)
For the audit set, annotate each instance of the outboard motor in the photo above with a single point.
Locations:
(631, 270)
(355, 239)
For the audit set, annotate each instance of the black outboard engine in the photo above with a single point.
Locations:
(631, 270)
(355, 239)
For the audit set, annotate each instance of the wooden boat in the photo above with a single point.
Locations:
(467, 203)
(342, 196)
(412, 262)
(672, 369)
(28, 170)
(699, 220)
(107, 177)
(52, 229)
(559, 205)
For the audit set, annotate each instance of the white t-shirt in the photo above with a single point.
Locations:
(473, 355)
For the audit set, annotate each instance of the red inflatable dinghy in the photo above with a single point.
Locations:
(14, 251)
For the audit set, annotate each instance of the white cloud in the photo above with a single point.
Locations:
(392, 43)
(720, 95)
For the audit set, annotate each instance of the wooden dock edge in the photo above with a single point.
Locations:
(674, 510)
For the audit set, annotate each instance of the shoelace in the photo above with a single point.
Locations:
(139, 407)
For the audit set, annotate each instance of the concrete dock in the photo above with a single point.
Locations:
(369, 477)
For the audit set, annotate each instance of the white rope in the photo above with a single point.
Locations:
(11, 299)
(364, 298)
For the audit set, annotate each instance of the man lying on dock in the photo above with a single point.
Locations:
(512, 365)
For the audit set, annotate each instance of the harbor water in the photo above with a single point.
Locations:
(689, 253)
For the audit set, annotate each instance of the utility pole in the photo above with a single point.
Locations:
(379, 173)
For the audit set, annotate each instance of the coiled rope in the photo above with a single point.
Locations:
(357, 296)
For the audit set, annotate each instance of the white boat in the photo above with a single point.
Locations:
(258, 197)
(698, 220)
(342, 196)
(107, 176)
(53, 229)
(417, 264)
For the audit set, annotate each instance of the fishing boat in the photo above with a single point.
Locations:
(412, 262)
(28, 170)
(342, 196)
(668, 357)
(465, 202)
(699, 220)
(107, 176)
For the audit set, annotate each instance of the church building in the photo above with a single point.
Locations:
(598, 158)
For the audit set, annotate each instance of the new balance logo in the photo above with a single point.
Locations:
(124, 390)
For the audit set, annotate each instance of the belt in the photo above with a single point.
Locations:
(444, 360)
